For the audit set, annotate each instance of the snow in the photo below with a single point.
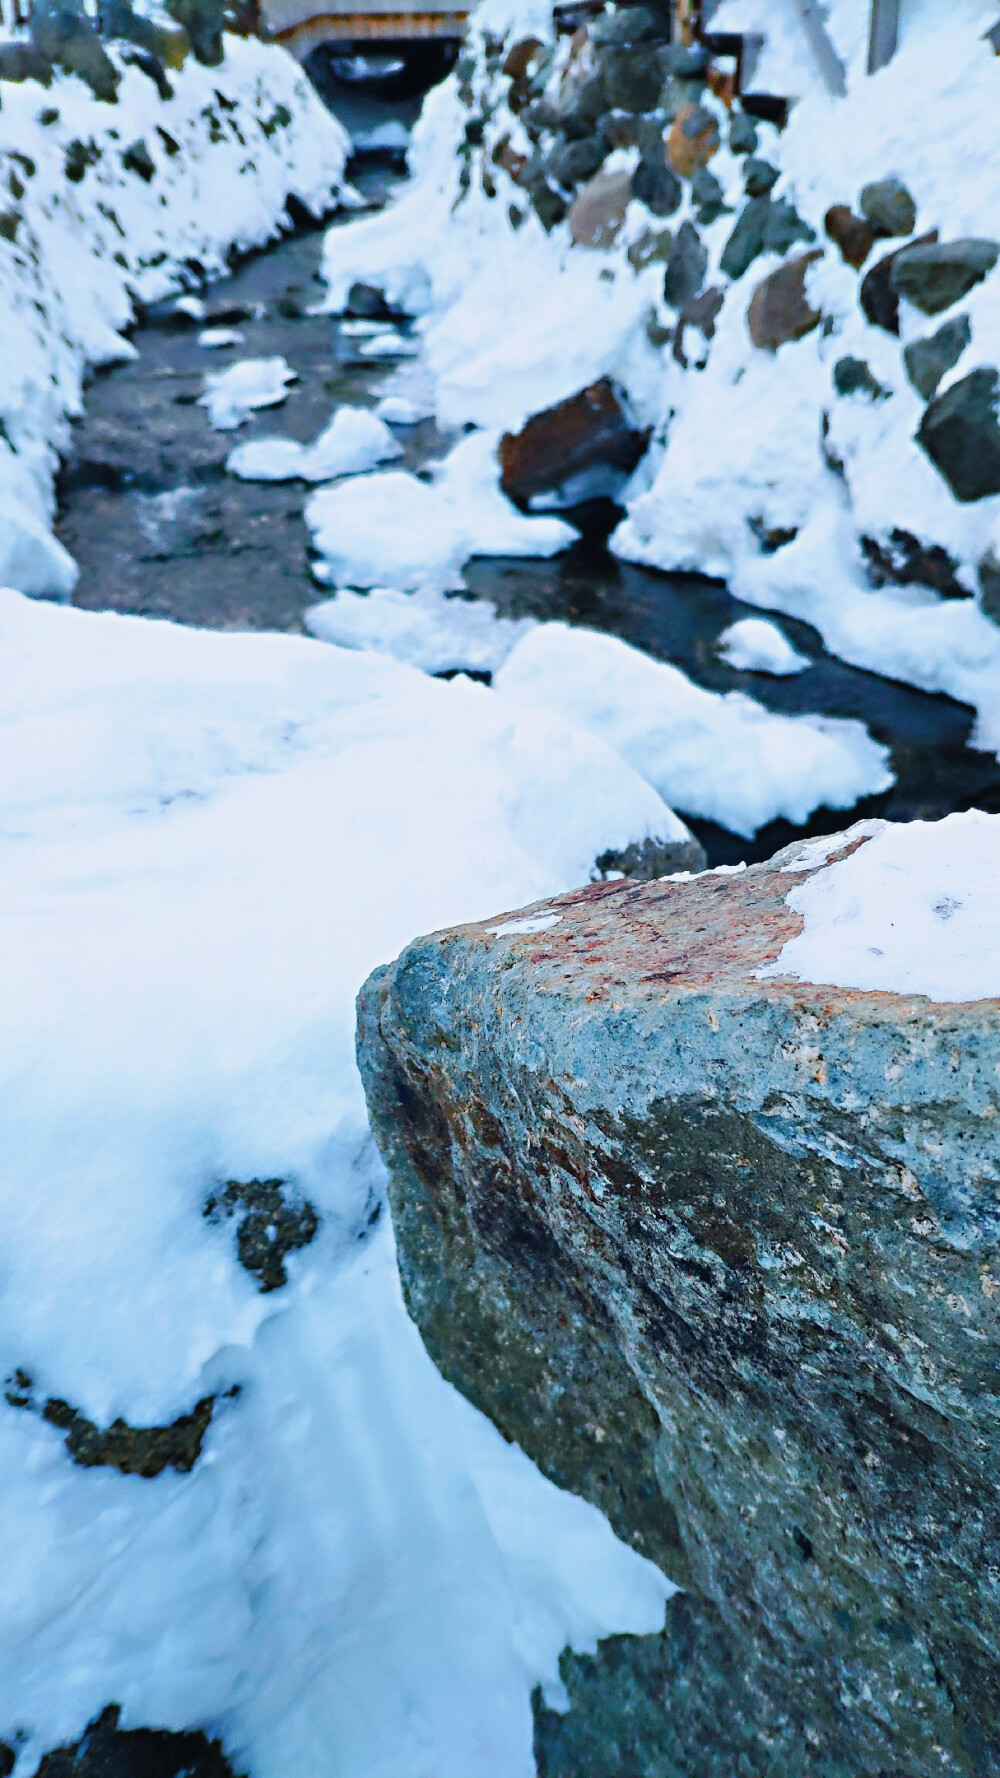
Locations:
(354, 440)
(755, 645)
(209, 840)
(914, 910)
(725, 758)
(389, 345)
(395, 530)
(427, 629)
(86, 250)
(231, 395)
(530, 923)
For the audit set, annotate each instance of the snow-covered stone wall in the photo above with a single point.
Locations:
(598, 206)
(103, 205)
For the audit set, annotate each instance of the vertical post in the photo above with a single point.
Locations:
(827, 60)
(883, 33)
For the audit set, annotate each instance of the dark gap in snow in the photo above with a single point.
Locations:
(133, 1450)
(268, 1226)
(107, 1751)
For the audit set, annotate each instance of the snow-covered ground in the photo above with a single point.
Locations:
(109, 204)
(208, 841)
(514, 319)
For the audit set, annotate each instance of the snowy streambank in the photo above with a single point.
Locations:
(208, 842)
(103, 204)
(789, 467)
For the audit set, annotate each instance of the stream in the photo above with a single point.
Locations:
(159, 530)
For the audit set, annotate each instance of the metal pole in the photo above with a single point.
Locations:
(883, 33)
(827, 60)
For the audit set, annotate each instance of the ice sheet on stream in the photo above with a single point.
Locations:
(208, 841)
(252, 130)
(515, 320)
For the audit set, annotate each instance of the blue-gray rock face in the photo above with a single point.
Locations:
(721, 1255)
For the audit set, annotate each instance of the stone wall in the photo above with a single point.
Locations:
(721, 1255)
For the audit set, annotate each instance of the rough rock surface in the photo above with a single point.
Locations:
(926, 361)
(721, 1254)
(960, 433)
(934, 276)
(598, 211)
(779, 309)
(854, 235)
(588, 430)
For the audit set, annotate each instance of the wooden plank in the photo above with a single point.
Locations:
(883, 33)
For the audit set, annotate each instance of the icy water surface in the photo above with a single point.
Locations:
(159, 529)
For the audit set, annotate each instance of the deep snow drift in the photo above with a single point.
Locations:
(208, 842)
(92, 224)
(762, 469)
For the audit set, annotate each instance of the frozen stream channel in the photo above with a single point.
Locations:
(159, 529)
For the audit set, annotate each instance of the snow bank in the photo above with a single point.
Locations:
(92, 233)
(394, 529)
(208, 841)
(722, 757)
(914, 910)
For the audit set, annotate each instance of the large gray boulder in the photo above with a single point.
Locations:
(960, 433)
(934, 276)
(721, 1254)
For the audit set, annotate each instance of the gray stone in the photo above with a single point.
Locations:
(657, 186)
(927, 361)
(721, 1254)
(960, 435)
(988, 575)
(686, 266)
(878, 296)
(646, 860)
(708, 196)
(763, 226)
(631, 24)
(687, 61)
(888, 205)
(934, 276)
(204, 22)
(784, 227)
(632, 78)
(852, 376)
(901, 559)
(24, 61)
(62, 32)
(758, 177)
(743, 137)
(598, 210)
(747, 238)
(779, 310)
(576, 161)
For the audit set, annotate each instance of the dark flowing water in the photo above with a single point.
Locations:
(160, 530)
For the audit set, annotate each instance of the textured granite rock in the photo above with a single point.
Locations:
(721, 1253)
